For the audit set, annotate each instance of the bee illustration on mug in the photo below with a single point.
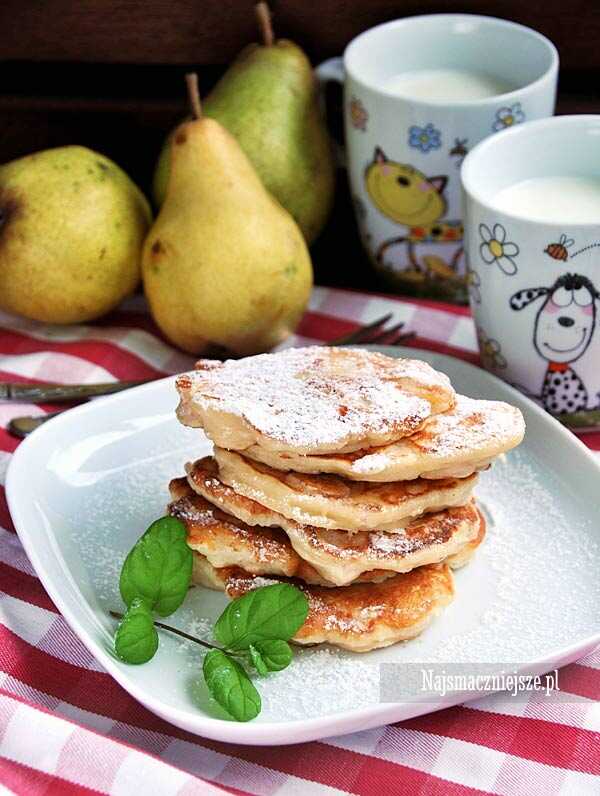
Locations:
(408, 197)
(459, 151)
(560, 250)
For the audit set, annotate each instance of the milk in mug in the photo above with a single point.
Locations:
(446, 85)
(554, 199)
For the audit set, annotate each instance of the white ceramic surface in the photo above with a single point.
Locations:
(85, 485)
(534, 286)
(404, 224)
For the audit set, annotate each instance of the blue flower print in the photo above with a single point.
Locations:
(508, 116)
(424, 138)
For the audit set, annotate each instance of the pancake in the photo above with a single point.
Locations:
(311, 400)
(329, 501)
(454, 444)
(360, 617)
(225, 541)
(325, 557)
(451, 535)
(466, 553)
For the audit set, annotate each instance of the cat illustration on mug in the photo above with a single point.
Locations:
(408, 197)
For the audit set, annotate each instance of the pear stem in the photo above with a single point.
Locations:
(263, 15)
(191, 80)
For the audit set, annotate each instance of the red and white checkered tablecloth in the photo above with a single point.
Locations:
(67, 727)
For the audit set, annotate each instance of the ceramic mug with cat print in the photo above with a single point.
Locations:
(419, 93)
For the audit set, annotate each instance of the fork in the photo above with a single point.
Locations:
(373, 332)
(367, 334)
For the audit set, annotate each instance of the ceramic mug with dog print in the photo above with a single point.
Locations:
(404, 151)
(534, 266)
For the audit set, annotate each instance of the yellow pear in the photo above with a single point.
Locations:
(72, 225)
(224, 263)
(268, 99)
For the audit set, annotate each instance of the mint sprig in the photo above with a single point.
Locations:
(253, 629)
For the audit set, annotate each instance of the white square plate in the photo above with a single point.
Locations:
(85, 486)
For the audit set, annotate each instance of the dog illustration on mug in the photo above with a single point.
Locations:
(563, 329)
(405, 195)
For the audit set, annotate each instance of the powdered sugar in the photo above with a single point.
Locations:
(372, 463)
(472, 430)
(226, 541)
(315, 397)
(354, 624)
(258, 581)
(394, 544)
(346, 625)
(471, 425)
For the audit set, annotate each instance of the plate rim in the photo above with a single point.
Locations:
(284, 732)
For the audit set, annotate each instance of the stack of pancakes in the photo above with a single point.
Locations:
(348, 471)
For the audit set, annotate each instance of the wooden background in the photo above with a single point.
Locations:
(109, 74)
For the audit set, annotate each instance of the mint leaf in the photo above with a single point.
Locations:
(270, 656)
(230, 686)
(264, 614)
(159, 567)
(257, 661)
(136, 639)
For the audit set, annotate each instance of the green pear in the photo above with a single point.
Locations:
(224, 264)
(72, 226)
(268, 100)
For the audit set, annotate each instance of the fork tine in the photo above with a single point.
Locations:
(382, 335)
(402, 338)
(359, 335)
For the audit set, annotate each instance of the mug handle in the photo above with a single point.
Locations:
(332, 70)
